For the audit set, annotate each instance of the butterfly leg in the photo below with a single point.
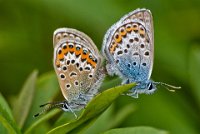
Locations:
(67, 107)
(131, 92)
(134, 95)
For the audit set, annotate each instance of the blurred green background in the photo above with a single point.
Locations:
(26, 29)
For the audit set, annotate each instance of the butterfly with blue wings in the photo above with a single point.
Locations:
(129, 49)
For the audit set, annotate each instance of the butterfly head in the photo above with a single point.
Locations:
(150, 86)
(147, 87)
(64, 105)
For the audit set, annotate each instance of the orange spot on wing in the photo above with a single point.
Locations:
(135, 27)
(84, 56)
(57, 63)
(61, 56)
(91, 62)
(142, 32)
(78, 52)
(113, 47)
(123, 33)
(118, 38)
(72, 49)
(128, 29)
(65, 50)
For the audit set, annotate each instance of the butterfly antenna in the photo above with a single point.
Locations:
(167, 86)
(48, 103)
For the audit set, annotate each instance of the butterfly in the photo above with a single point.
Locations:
(129, 49)
(78, 66)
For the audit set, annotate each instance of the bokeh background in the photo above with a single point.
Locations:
(26, 29)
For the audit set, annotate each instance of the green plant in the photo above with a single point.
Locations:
(22, 120)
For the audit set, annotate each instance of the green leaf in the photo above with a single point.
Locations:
(41, 120)
(94, 108)
(136, 130)
(7, 123)
(123, 113)
(109, 119)
(46, 89)
(23, 103)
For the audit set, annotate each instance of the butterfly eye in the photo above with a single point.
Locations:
(150, 87)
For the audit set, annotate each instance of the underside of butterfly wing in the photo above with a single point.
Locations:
(128, 46)
(77, 63)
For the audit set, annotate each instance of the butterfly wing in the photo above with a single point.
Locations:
(128, 46)
(76, 62)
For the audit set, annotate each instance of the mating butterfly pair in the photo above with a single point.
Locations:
(128, 47)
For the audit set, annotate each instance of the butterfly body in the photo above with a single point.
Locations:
(78, 66)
